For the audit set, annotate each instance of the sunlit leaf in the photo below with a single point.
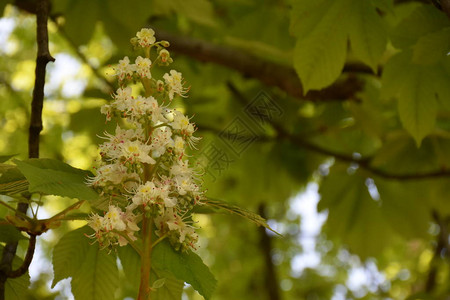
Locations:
(367, 33)
(186, 266)
(97, 277)
(56, 178)
(69, 253)
(321, 47)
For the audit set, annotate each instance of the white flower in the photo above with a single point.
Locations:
(184, 184)
(96, 222)
(145, 194)
(112, 148)
(143, 67)
(179, 145)
(122, 99)
(106, 110)
(180, 121)
(174, 84)
(146, 37)
(161, 140)
(113, 219)
(171, 221)
(124, 69)
(112, 174)
(135, 151)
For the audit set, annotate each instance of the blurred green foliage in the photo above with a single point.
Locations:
(380, 156)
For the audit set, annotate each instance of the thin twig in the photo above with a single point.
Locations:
(361, 162)
(269, 73)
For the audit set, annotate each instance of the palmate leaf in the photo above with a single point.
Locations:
(320, 51)
(323, 28)
(422, 21)
(185, 266)
(172, 288)
(368, 37)
(236, 210)
(69, 253)
(94, 271)
(53, 177)
(97, 277)
(354, 218)
(368, 225)
(417, 91)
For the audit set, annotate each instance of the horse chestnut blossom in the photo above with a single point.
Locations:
(145, 172)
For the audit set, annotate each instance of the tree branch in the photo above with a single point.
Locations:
(441, 251)
(361, 162)
(43, 57)
(269, 73)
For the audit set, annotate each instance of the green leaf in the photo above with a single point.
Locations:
(384, 5)
(423, 20)
(417, 105)
(198, 11)
(441, 85)
(432, 47)
(53, 177)
(81, 17)
(17, 288)
(172, 288)
(186, 266)
(97, 277)
(320, 51)
(236, 210)
(368, 36)
(12, 180)
(131, 262)
(10, 234)
(94, 271)
(415, 89)
(354, 218)
(69, 253)
(408, 215)
(5, 158)
(393, 77)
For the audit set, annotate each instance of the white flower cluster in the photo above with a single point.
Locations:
(146, 163)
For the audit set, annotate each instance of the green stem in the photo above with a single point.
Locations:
(144, 287)
(160, 239)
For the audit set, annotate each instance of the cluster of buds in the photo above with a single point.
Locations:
(144, 169)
